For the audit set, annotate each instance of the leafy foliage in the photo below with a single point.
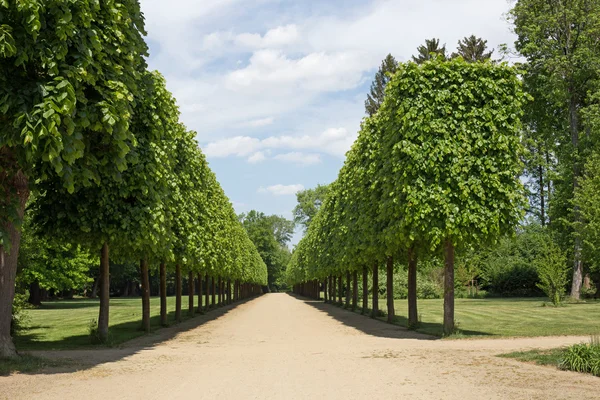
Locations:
(430, 50)
(552, 269)
(473, 49)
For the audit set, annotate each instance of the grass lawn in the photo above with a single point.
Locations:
(504, 317)
(66, 324)
(540, 357)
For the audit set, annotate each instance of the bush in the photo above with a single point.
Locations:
(583, 358)
(552, 269)
(19, 317)
(508, 267)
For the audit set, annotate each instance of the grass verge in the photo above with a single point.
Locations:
(28, 363)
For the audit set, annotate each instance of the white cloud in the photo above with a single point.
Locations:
(258, 123)
(239, 145)
(257, 157)
(333, 141)
(277, 37)
(281, 190)
(299, 158)
(319, 71)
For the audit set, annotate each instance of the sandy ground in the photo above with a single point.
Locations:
(281, 347)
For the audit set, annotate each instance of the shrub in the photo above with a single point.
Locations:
(552, 269)
(19, 317)
(583, 358)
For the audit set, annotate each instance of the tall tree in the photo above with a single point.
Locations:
(560, 42)
(473, 49)
(374, 99)
(270, 235)
(430, 49)
(309, 202)
(68, 73)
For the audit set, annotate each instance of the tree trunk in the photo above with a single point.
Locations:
(8, 265)
(199, 307)
(340, 290)
(207, 292)
(542, 196)
(325, 294)
(94, 293)
(365, 297)
(448, 287)
(35, 294)
(191, 293)
(178, 292)
(354, 290)
(347, 289)
(220, 284)
(104, 294)
(413, 316)
(375, 309)
(163, 294)
(213, 292)
(577, 261)
(390, 290)
(145, 295)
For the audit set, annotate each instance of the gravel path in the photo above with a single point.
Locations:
(281, 347)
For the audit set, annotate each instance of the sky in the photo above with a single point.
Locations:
(275, 89)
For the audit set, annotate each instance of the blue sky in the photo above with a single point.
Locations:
(275, 89)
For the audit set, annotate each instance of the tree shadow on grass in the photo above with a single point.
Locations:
(125, 340)
(378, 326)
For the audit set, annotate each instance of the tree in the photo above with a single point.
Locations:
(68, 74)
(430, 49)
(559, 41)
(552, 269)
(270, 235)
(454, 149)
(309, 202)
(473, 49)
(588, 201)
(382, 77)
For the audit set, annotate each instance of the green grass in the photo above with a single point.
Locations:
(503, 317)
(28, 363)
(540, 357)
(65, 324)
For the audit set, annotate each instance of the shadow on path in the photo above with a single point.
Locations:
(65, 361)
(378, 327)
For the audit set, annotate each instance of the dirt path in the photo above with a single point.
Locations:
(280, 347)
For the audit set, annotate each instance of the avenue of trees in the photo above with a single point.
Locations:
(93, 152)
(463, 156)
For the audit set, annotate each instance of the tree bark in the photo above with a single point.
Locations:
(213, 292)
(354, 290)
(163, 294)
(104, 294)
(448, 287)
(347, 289)
(340, 290)
(375, 309)
(191, 293)
(207, 292)
(145, 295)
(413, 316)
(365, 296)
(542, 196)
(178, 292)
(325, 294)
(577, 261)
(199, 307)
(390, 289)
(8, 265)
(220, 292)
